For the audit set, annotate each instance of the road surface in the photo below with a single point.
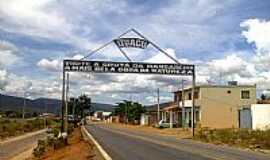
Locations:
(126, 144)
(17, 145)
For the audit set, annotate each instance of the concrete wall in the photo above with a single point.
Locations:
(220, 105)
(144, 119)
(260, 116)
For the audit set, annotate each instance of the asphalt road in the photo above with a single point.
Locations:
(126, 144)
(18, 145)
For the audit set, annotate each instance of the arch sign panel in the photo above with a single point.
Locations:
(128, 67)
(131, 43)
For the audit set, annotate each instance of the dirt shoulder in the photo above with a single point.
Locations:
(78, 148)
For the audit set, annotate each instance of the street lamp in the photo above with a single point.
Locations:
(1, 89)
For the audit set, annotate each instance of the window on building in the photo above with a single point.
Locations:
(189, 96)
(245, 94)
(197, 116)
(178, 97)
(196, 95)
(175, 97)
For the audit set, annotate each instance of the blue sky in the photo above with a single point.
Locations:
(227, 40)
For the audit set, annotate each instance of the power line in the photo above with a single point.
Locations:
(105, 45)
(139, 34)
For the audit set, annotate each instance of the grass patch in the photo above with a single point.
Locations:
(253, 139)
(15, 127)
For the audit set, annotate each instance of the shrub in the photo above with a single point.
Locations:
(55, 132)
(40, 149)
(11, 128)
(240, 137)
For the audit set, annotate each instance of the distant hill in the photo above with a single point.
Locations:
(102, 107)
(40, 105)
(153, 108)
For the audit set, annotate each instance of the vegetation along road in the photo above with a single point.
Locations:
(123, 143)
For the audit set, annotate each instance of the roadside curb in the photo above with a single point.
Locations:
(101, 150)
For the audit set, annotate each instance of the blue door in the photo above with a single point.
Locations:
(245, 119)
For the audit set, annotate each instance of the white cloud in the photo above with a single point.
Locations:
(13, 84)
(162, 58)
(55, 65)
(192, 30)
(257, 32)
(229, 65)
(153, 99)
(236, 65)
(74, 21)
(29, 17)
(40, 18)
(3, 79)
(8, 53)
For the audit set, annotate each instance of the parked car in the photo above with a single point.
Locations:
(163, 124)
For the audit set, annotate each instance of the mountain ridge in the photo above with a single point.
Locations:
(40, 105)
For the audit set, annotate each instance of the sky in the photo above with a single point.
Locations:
(226, 40)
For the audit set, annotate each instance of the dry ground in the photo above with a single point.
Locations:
(78, 149)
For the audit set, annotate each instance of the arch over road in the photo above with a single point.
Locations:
(83, 65)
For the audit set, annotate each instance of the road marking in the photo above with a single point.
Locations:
(101, 150)
(187, 149)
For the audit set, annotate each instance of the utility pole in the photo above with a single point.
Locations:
(158, 107)
(183, 105)
(24, 103)
(127, 112)
(0, 98)
(45, 104)
(66, 105)
(73, 106)
(193, 104)
(63, 99)
(131, 97)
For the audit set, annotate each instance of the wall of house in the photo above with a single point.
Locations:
(260, 116)
(144, 119)
(220, 105)
(152, 118)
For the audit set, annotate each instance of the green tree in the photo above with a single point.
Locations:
(129, 110)
(263, 97)
(135, 111)
(73, 103)
(84, 104)
(78, 105)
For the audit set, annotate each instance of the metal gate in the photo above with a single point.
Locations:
(245, 119)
